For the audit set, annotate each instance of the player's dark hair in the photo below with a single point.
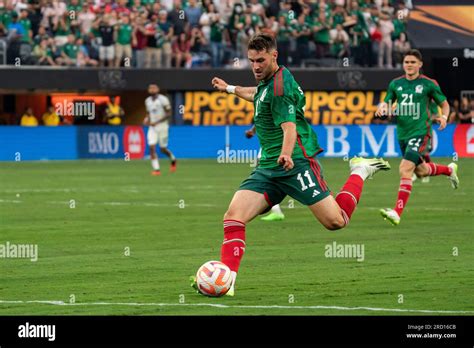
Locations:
(262, 42)
(415, 53)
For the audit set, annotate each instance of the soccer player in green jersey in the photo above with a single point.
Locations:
(288, 165)
(413, 93)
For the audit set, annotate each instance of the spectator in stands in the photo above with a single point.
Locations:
(193, 12)
(466, 111)
(29, 119)
(62, 29)
(225, 8)
(106, 35)
(376, 39)
(154, 46)
(50, 117)
(83, 55)
(178, 18)
(338, 17)
(237, 21)
(205, 20)
(385, 50)
(216, 37)
(43, 53)
(339, 40)
(51, 12)
(86, 18)
(321, 35)
(139, 42)
(69, 52)
(284, 33)
(400, 47)
(302, 35)
(257, 8)
(387, 8)
(360, 37)
(26, 23)
(123, 47)
(245, 31)
(16, 31)
(6, 16)
(114, 112)
(270, 27)
(41, 35)
(454, 115)
(199, 48)
(182, 51)
(74, 8)
(168, 32)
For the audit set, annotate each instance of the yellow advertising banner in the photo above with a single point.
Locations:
(335, 107)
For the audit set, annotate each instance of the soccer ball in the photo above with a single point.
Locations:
(214, 279)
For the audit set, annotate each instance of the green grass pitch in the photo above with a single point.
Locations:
(172, 224)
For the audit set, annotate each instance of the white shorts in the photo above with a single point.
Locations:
(158, 134)
(106, 52)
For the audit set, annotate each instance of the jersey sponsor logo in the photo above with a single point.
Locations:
(464, 140)
(134, 141)
(315, 193)
(400, 88)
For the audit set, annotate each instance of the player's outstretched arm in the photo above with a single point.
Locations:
(247, 93)
(289, 141)
(443, 119)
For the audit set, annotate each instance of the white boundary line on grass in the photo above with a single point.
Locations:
(216, 305)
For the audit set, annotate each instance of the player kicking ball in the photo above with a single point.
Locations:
(413, 93)
(158, 113)
(288, 165)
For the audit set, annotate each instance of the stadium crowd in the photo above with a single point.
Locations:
(193, 33)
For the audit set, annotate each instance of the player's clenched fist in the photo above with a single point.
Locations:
(382, 110)
(286, 161)
(219, 84)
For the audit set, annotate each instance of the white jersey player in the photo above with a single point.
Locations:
(158, 113)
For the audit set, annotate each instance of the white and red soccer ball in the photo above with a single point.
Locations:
(214, 279)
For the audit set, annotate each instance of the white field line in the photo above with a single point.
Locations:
(210, 205)
(216, 305)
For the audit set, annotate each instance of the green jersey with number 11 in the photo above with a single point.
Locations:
(277, 100)
(413, 104)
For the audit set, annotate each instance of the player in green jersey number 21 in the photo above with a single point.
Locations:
(287, 165)
(413, 93)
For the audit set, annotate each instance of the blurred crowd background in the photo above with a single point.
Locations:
(207, 33)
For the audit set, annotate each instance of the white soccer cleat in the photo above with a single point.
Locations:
(425, 180)
(390, 215)
(367, 167)
(413, 177)
(231, 291)
(454, 175)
